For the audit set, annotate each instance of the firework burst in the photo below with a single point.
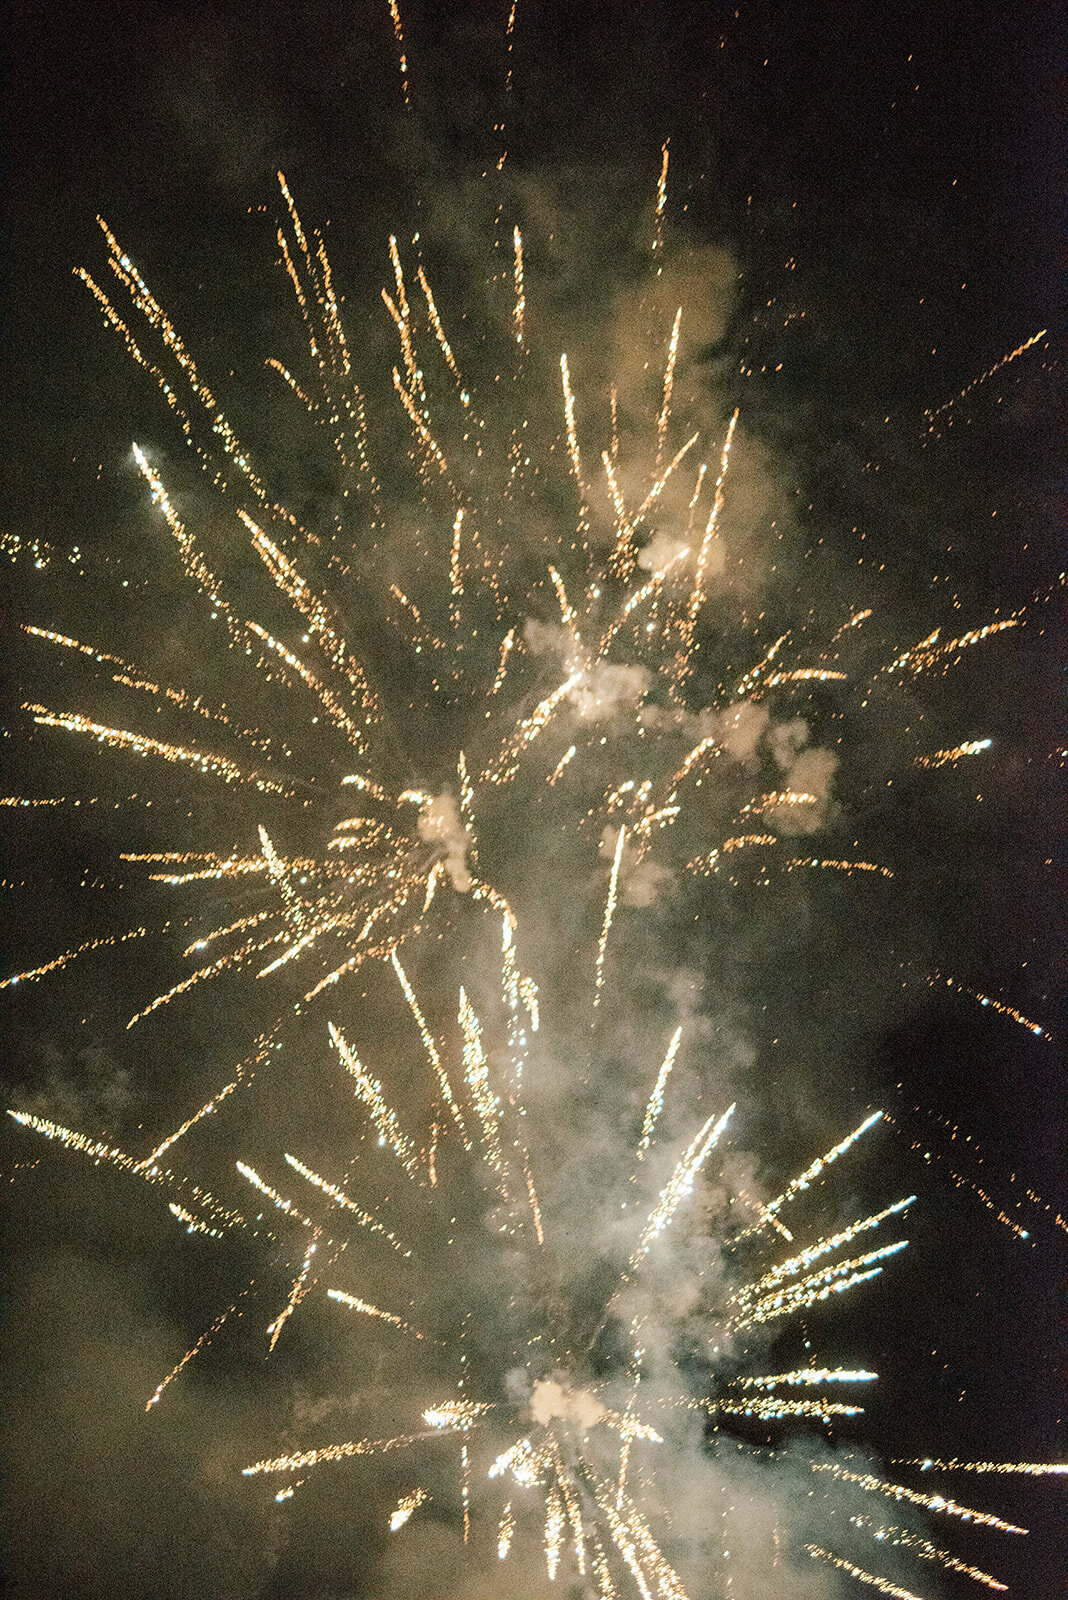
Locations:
(436, 727)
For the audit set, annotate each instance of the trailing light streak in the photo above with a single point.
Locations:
(945, 758)
(609, 911)
(681, 1182)
(995, 1005)
(1031, 1469)
(802, 1182)
(365, 1308)
(883, 1585)
(931, 1502)
(656, 1099)
(405, 1506)
(886, 1532)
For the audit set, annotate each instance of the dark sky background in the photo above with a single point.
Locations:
(890, 170)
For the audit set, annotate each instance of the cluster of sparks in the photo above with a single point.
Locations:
(369, 883)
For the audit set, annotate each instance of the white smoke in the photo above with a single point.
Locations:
(440, 825)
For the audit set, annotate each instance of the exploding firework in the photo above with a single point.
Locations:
(434, 726)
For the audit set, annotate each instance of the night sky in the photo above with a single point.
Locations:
(861, 220)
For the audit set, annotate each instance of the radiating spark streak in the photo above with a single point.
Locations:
(669, 381)
(502, 666)
(636, 599)
(945, 758)
(661, 483)
(567, 756)
(335, 712)
(802, 1182)
(340, 1198)
(554, 1532)
(609, 911)
(697, 593)
(822, 1247)
(456, 1414)
(661, 200)
(527, 731)
(681, 1182)
(751, 677)
(398, 33)
(815, 1287)
(98, 1151)
(71, 955)
(931, 1502)
(656, 1099)
(567, 611)
(336, 1452)
(769, 1408)
(883, 1585)
(143, 745)
(446, 348)
(405, 1506)
(623, 552)
(520, 297)
(573, 446)
(574, 1514)
(776, 798)
(1032, 1469)
(535, 1208)
(132, 677)
(705, 865)
(838, 866)
(368, 1310)
(995, 1005)
(803, 675)
(989, 373)
(886, 1532)
(456, 583)
(808, 1376)
(431, 1049)
(506, 1532)
(372, 1094)
(195, 1349)
(855, 620)
(300, 1288)
(234, 958)
(277, 1199)
(486, 1103)
(925, 655)
(316, 613)
(265, 1043)
(365, 785)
